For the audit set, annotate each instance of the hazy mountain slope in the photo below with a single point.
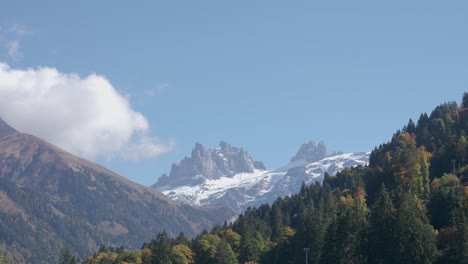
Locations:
(50, 198)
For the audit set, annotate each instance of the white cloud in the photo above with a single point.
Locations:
(145, 148)
(85, 116)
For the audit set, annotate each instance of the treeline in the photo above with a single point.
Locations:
(410, 205)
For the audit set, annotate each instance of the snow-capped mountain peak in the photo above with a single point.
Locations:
(209, 164)
(243, 184)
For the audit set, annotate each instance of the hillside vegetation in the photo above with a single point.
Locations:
(50, 199)
(410, 205)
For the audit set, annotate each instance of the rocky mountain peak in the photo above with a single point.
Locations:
(311, 152)
(224, 145)
(225, 149)
(262, 186)
(198, 150)
(203, 164)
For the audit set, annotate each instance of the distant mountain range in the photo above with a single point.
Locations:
(50, 199)
(228, 176)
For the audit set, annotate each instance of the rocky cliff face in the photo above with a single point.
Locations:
(205, 164)
(50, 199)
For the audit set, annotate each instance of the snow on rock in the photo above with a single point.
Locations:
(241, 183)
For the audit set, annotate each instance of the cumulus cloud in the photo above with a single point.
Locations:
(85, 116)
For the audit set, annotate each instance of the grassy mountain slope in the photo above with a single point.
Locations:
(50, 199)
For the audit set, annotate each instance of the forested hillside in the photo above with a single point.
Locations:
(50, 199)
(410, 205)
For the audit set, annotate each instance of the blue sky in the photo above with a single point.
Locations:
(263, 75)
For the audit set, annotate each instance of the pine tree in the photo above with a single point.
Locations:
(250, 248)
(182, 239)
(277, 220)
(415, 237)
(346, 237)
(67, 257)
(283, 253)
(465, 100)
(161, 249)
(231, 237)
(310, 234)
(411, 127)
(381, 230)
(224, 254)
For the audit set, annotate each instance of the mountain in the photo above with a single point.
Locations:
(408, 205)
(50, 199)
(187, 181)
(311, 152)
(228, 176)
(204, 165)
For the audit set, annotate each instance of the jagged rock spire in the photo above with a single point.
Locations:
(209, 164)
(311, 152)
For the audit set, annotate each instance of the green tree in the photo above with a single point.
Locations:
(310, 234)
(410, 165)
(411, 127)
(465, 100)
(250, 247)
(346, 236)
(284, 251)
(277, 220)
(381, 230)
(67, 257)
(231, 237)
(130, 257)
(452, 241)
(224, 254)
(443, 201)
(182, 254)
(415, 237)
(182, 239)
(161, 249)
(205, 248)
